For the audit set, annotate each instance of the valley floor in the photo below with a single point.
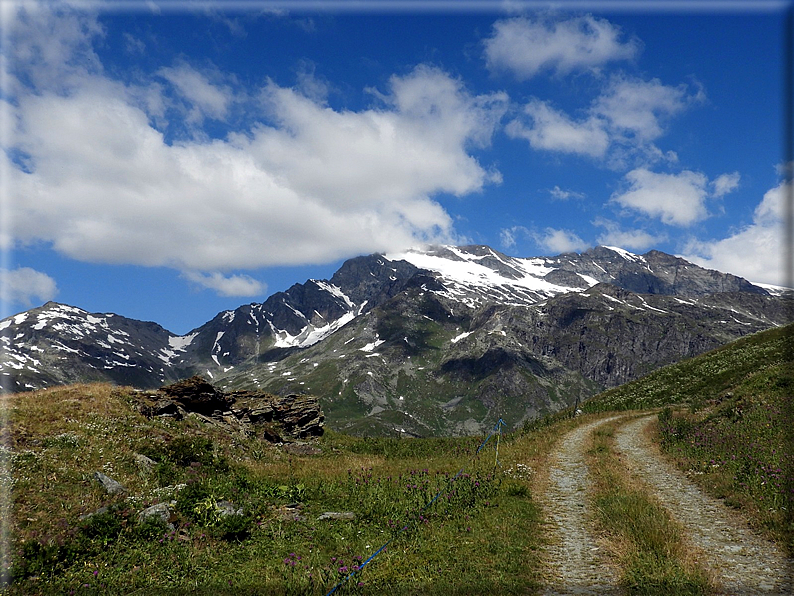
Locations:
(585, 505)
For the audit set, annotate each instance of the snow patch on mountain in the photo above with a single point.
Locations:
(456, 339)
(334, 291)
(179, 343)
(629, 256)
(773, 290)
(371, 346)
(309, 335)
(477, 278)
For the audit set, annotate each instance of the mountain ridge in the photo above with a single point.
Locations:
(460, 332)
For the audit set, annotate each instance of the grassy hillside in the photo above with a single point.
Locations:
(455, 521)
(708, 377)
(727, 421)
(480, 535)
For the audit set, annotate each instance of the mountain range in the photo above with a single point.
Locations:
(443, 340)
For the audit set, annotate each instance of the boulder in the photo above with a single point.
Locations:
(111, 486)
(161, 511)
(228, 508)
(345, 515)
(196, 394)
(144, 462)
(100, 511)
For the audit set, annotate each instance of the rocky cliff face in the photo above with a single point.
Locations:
(444, 340)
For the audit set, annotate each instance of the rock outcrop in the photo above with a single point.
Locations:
(275, 418)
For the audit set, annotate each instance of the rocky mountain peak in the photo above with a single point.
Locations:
(424, 341)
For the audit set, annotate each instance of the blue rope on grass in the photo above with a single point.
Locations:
(497, 428)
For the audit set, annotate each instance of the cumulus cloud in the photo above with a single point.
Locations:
(639, 108)
(26, 286)
(676, 199)
(526, 46)
(621, 124)
(755, 252)
(53, 43)
(548, 129)
(232, 285)
(208, 99)
(725, 184)
(559, 241)
(306, 184)
(636, 239)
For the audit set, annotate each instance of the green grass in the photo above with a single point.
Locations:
(480, 536)
(643, 539)
(696, 381)
(738, 450)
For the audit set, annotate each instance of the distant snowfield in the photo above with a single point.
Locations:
(467, 271)
(774, 290)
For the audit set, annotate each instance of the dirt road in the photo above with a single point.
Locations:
(575, 558)
(741, 562)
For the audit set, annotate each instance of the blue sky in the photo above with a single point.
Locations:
(166, 162)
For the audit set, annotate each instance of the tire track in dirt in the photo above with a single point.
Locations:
(741, 562)
(575, 558)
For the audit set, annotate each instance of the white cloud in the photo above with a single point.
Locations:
(620, 125)
(208, 99)
(412, 147)
(508, 236)
(552, 130)
(639, 108)
(232, 285)
(628, 239)
(525, 47)
(725, 183)
(560, 241)
(676, 199)
(133, 45)
(308, 184)
(54, 43)
(757, 251)
(563, 195)
(22, 285)
(310, 84)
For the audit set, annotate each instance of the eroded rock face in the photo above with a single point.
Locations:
(275, 418)
(196, 394)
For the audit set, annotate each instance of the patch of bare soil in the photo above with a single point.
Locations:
(740, 561)
(578, 565)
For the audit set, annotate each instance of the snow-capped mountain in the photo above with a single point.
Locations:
(56, 344)
(466, 325)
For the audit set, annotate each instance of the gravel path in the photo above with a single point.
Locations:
(741, 562)
(575, 557)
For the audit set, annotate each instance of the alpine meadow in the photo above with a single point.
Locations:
(450, 297)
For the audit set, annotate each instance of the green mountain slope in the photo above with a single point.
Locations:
(749, 365)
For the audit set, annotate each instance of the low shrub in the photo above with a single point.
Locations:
(102, 528)
(233, 527)
(191, 497)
